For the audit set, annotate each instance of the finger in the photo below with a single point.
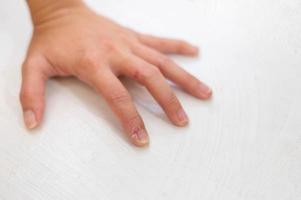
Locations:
(174, 72)
(168, 46)
(121, 103)
(32, 91)
(150, 76)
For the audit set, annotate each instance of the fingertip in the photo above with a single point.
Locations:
(182, 118)
(30, 119)
(210, 94)
(203, 91)
(194, 51)
(140, 138)
(188, 50)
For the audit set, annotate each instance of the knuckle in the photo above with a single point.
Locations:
(161, 42)
(30, 63)
(119, 98)
(108, 46)
(23, 96)
(27, 95)
(193, 82)
(89, 58)
(126, 37)
(151, 72)
(147, 74)
(182, 45)
(88, 64)
(133, 121)
(172, 100)
(36, 64)
(164, 61)
(31, 99)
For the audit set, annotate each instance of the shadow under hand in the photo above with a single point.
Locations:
(94, 103)
(143, 98)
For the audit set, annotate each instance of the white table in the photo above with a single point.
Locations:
(244, 144)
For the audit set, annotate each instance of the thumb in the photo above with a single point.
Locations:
(33, 90)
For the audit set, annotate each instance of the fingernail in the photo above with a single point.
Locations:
(140, 137)
(204, 91)
(194, 50)
(182, 117)
(30, 119)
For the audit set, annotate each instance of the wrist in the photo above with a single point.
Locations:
(44, 10)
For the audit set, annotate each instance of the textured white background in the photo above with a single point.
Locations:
(244, 144)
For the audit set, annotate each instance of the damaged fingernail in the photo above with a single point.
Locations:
(140, 137)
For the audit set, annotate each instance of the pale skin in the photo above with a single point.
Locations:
(69, 39)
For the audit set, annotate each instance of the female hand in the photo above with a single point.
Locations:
(74, 41)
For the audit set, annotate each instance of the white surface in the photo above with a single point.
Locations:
(243, 144)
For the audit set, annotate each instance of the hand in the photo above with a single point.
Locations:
(74, 41)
